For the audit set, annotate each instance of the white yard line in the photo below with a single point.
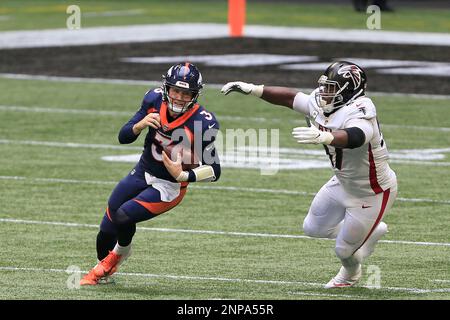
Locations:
(69, 144)
(431, 128)
(186, 31)
(51, 110)
(287, 158)
(223, 279)
(146, 83)
(152, 83)
(111, 35)
(302, 293)
(421, 163)
(227, 188)
(115, 13)
(94, 112)
(211, 232)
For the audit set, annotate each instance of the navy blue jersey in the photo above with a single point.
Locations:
(196, 129)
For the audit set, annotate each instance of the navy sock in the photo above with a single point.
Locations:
(125, 234)
(105, 243)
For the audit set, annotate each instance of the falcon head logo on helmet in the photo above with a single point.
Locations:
(353, 72)
(339, 85)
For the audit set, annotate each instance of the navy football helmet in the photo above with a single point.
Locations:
(186, 77)
(340, 84)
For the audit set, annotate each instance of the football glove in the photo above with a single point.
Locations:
(243, 87)
(311, 135)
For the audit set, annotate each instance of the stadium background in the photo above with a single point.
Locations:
(61, 106)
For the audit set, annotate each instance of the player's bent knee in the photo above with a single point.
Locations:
(107, 226)
(311, 230)
(120, 217)
(344, 251)
(307, 229)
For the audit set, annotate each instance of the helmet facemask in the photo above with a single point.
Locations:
(179, 106)
(329, 97)
(186, 79)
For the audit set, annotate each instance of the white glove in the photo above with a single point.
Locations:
(312, 135)
(243, 87)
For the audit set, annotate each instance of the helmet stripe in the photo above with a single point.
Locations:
(186, 70)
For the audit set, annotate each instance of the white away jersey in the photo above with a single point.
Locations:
(362, 171)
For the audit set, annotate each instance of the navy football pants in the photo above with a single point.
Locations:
(133, 201)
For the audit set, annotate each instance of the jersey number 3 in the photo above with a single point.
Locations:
(163, 143)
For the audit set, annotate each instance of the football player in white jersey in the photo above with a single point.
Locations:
(351, 205)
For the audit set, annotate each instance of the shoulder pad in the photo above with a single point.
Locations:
(153, 95)
(362, 108)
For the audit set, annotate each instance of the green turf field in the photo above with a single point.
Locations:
(63, 183)
(32, 14)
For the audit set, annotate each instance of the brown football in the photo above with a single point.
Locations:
(189, 159)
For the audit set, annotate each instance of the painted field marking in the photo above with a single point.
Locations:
(223, 279)
(188, 31)
(148, 83)
(257, 158)
(94, 112)
(227, 188)
(211, 232)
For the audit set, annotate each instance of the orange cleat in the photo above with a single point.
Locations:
(102, 270)
(90, 279)
(107, 266)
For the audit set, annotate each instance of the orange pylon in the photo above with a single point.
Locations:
(236, 17)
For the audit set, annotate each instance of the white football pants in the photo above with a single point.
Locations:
(350, 220)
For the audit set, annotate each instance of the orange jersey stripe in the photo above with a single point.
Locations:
(178, 121)
(108, 214)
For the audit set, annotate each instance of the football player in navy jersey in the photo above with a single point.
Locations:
(179, 149)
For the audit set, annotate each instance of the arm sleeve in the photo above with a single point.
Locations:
(363, 124)
(301, 103)
(126, 134)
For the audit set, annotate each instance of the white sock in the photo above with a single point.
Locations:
(352, 263)
(123, 251)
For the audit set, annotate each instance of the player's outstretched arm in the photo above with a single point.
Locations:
(276, 95)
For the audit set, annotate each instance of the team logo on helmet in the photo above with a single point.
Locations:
(186, 76)
(182, 84)
(353, 72)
